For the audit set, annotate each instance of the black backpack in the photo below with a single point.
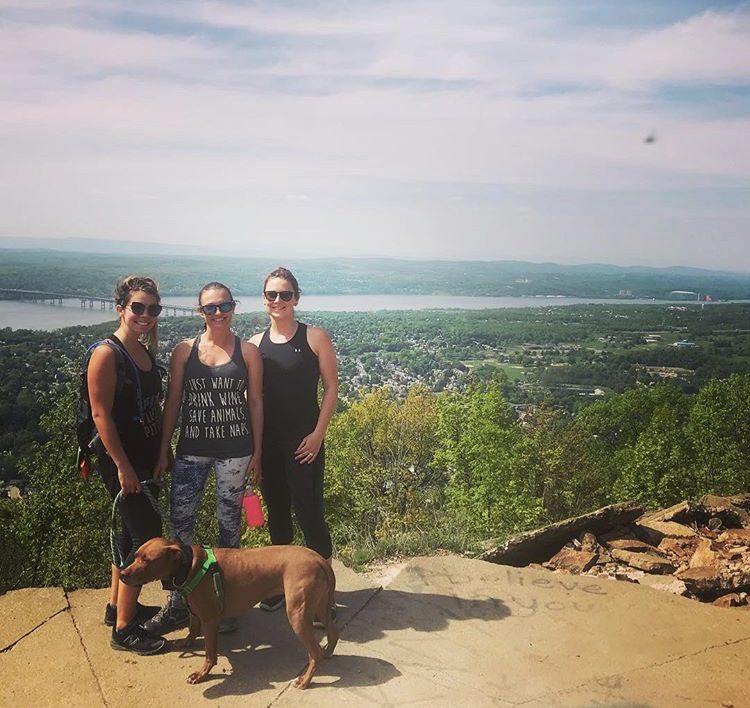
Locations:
(89, 441)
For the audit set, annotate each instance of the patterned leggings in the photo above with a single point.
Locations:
(188, 484)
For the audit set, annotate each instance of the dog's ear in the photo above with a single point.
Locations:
(172, 561)
(175, 552)
(172, 543)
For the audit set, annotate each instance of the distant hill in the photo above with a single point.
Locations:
(82, 268)
(95, 245)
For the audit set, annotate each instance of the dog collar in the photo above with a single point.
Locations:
(209, 565)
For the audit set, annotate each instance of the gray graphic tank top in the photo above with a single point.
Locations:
(215, 417)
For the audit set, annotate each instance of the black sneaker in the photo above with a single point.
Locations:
(143, 613)
(168, 618)
(136, 639)
(319, 623)
(273, 603)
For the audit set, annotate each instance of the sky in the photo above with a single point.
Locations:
(458, 129)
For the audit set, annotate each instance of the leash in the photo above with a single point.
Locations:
(145, 484)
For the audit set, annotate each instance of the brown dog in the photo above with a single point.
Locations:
(247, 575)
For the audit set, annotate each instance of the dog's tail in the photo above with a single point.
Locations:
(332, 632)
(331, 587)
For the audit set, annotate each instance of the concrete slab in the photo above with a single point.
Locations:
(48, 667)
(256, 663)
(455, 631)
(714, 678)
(24, 610)
(353, 592)
(446, 631)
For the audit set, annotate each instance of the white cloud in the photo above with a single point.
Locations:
(219, 115)
(709, 48)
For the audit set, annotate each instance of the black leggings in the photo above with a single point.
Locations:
(289, 485)
(140, 521)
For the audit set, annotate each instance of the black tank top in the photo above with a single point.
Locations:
(139, 425)
(290, 387)
(215, 420)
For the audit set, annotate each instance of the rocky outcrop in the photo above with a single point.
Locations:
(540, 545)
(572, 561)
(696, 549)
(653, 531)
(647, 562)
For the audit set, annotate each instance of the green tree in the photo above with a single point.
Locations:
(615, 425)
(488, 492)
(659, 472)
(719, 431)
(557, 455)
(379, 473)
(62, 528)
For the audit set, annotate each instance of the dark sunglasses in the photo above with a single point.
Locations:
(224, 307)
(285, 295)
(138, 308)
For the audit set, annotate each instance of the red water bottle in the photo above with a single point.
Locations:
(253, 508)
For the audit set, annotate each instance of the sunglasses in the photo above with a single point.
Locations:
(285, 295)
(223, 307)
(138, 308)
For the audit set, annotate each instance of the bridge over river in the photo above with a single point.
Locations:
(87, 301)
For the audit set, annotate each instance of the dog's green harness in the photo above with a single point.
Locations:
(210, 565)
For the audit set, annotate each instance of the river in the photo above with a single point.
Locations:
(43, 316)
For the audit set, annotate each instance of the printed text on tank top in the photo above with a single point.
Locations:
(215, 420)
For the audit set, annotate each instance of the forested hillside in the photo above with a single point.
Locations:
(94, 274)
(564, 356)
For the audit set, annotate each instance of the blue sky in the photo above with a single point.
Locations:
(454, 129)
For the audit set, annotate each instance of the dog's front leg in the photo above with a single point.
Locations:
(210, 638)
(193, 632)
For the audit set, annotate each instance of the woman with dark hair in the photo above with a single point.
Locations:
(127, 413)
(295, 358)
(216, 380)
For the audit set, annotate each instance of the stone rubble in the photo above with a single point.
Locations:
(697, 550)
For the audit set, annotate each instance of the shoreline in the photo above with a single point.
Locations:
(47, 317)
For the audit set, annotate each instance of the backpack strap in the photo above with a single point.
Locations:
(122, 356)
(118, 355)
(84, 421)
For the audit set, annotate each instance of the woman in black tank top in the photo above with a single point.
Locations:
(124, 387)
(295, 357)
